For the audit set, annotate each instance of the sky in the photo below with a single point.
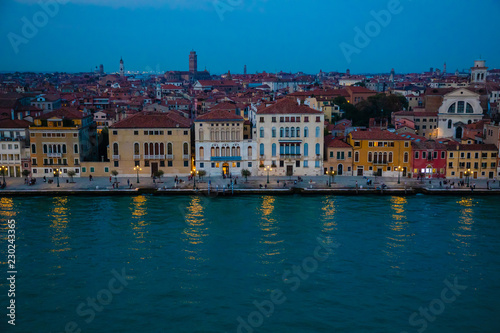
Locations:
(365, 36)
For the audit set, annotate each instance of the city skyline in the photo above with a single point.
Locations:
(70, 36)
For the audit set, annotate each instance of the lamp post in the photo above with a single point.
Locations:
(467, 175)
(3, 169)
(268, 168)
(329, 173)
(333, 177)
(56, 175)
(399, 174)
(137, 168)
(193, 174)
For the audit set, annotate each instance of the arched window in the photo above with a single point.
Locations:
(151, 149)
(306, 149)
(249, 152)
(115, 149)
(274, 132)
(390, 157)
(217, 152)
(223, 136)
(460, 107)
(136, 148)
(287, 149)
(202, 153)
(292, 132)
(45, 149)
(297, 130)
(449, 123)
(146, 149)
(223, 151)
(306, 132)
(64, 148)
(75, 148)
(282, 132)
(261, 149)
(380, 157)
(274, 149)
(170, 148)
(238, 152)
(297, 150)
(356, 157)
(469, 109)
(162, 148)
(405, 157)
(451, 109)
(317, 131)
(186, 148)
(370, 157)
(282, 149)
(262, 132)
(287, 132)
(385, 158)
(317, 149)
(157, 149)
(201, 134)
(212, 151)
(233, 151)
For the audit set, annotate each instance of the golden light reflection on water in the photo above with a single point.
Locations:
(59, 223)
(329, 215)
(6, 208)
(139, 222)
(271, 241)
(397, 235)
(463, 233)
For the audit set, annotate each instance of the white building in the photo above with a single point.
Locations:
(14, 146)
(479, 71)
(220, 147)
(459, 108)
(290, 139)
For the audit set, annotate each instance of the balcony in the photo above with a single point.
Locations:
(225, 158)
(154, 157)
(379, 162)
(116, 157)
(290, 156)
(137, 157)
(57, 155)
(185, 157)
(170, 157)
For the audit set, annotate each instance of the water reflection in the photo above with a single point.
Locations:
(329, 225)
(397, 236)
(6, 209)
(463, 233)
(271, 241)
(59, 224)
(139, 222)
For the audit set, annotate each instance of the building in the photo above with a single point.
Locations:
(428, 158)
(14, 146)
(122, 68)
(459, 108)
(61, 139)
(189, 76)
(425, 122)
(325, 105)
(379, 152)
(47, 102)
(338, 156)
(480, 160)
(290, 139)
(220, 145)
(151, 141)
(492, 136)
(478, 72)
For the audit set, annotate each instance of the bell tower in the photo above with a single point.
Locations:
(478, 72)
(122, 67)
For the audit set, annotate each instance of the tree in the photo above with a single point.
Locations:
(159, 174)
(202, 173)
(26, 173)
(71, 173)
(115, 173)
(246, 173)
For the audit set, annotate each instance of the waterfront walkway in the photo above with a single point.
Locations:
(255, 184)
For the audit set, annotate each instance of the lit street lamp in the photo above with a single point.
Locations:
(467, 175)
(330, 175)
(193, 174)
(56, 175)
(137, 168)
(399, 174)
(3, 169)
(268, 168)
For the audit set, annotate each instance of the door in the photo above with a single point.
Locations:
(475, 174)
(360, 171)
(490, 175)
(379, 172)
(461, 174)
(289, 170)
(340, 169)
(225, 169)
(154, 168)
(404, 171)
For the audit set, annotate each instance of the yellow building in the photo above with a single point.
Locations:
(379, 152)
(326, 105)
(60, 140)
(479, 161)
(338, 156)
(151, 141)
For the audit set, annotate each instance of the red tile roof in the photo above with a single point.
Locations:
(66, 113)
(153, 120)
(375, 134)
(474, 146)
(287, 106)
(335, 142)
(14, 123)
(221, 115)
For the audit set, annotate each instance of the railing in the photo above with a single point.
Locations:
(116, 157)
(54, 155)
(225, 158)
(10, 161)
(137, 157)
(379, 162)
(290, 155)
(185, 157)
(170, 157)
(154, 157)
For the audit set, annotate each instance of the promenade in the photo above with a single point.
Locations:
(255, 184)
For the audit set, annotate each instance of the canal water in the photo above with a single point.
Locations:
(253, 264)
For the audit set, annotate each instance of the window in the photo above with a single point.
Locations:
(261, 119)
(186, 163)
(185, 148)
(169, 149)
(292, 132)
(262, 132)
(317, 132)
(33, 148)
(318, 119)
(451, 109)
(75, 148)
(316, 164)
(273, 119)
(460, 107)
(416, 155)
(443, 155)
(261, 149)
(370, 157)
(169, 132)
(115, 149)
(306, 149)
(424, 154)
(306, 119)
(357, 144)
(115, 132)
(84, 169)
(249, 152)
(390, 157)
(92, 169)
(305, 164)
(407, 144)
(469, 109)
(274, 149)
(340, 155)
(282, 132)
(449, 123)
(450, 165)
(249, 164)
(356, 156)
(405, 157)
(186, 132)
(317, 149)
(331, 154)
(136, 132)
(306, 132)
(287, 132)
(273, 132)
(116, 164)
(297, 132)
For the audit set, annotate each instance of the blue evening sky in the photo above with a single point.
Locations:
(270, 35)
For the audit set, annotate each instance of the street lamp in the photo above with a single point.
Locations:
(56, 175)
(467, 175)
(4, 170)
(399, 174)
(137, 168)
(333, 176)
(268, 168)
(193, 174)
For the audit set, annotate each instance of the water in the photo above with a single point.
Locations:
(197, 265)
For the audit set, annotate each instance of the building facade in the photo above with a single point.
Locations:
(477, 160)
(338, 156)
